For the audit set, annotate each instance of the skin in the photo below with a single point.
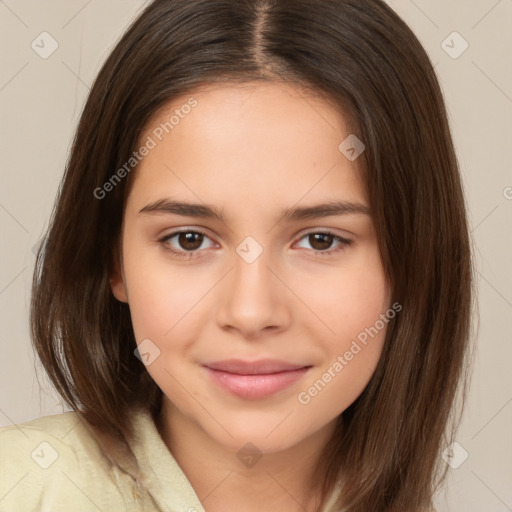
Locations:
(252, 151)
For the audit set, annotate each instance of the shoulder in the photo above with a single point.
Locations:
(45, 440)
(57, 424)
(41, 441)
(50, 460)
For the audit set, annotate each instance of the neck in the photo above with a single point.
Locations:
(230, 480)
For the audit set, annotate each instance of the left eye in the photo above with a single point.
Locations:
(189, 242)
(323, 240)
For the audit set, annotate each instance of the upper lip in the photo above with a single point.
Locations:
(261, 367)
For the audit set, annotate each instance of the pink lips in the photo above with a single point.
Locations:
(256, 379)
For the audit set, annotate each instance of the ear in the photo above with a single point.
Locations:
(116, 278)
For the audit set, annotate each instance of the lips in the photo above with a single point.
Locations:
(255, 379)
(262, 367)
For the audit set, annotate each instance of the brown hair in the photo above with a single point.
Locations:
(363, 57)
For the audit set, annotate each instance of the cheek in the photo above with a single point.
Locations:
(336, 386)
(350, 361)
(162, 304)
(161, 296)
(354, 304)
(346, 299)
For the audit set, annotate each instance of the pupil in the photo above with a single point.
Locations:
(318, 237)
(189, 240)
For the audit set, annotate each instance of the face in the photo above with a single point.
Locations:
(260, 315)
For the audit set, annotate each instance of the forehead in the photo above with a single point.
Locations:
(262, 140)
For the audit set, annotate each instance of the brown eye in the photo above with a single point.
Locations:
(190, 241)
(186, 244)
(321, 241)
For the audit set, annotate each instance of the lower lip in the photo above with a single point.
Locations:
(254, 387)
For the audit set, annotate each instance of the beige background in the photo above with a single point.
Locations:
(41, 99)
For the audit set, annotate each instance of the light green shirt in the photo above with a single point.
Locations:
(56, 464)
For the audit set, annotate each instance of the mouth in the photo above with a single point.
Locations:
(254, 380)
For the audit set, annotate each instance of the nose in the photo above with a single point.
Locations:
(253, 298)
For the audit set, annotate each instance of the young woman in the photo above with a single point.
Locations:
(255, 290)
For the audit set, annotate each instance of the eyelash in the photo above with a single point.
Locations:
(344, 242)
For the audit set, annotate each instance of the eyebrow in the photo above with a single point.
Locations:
(205, 211)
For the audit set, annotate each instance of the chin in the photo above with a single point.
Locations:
(268, 435)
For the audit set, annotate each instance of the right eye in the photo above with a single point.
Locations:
(187, 243)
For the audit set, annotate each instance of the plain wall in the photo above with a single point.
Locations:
(41, 99)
